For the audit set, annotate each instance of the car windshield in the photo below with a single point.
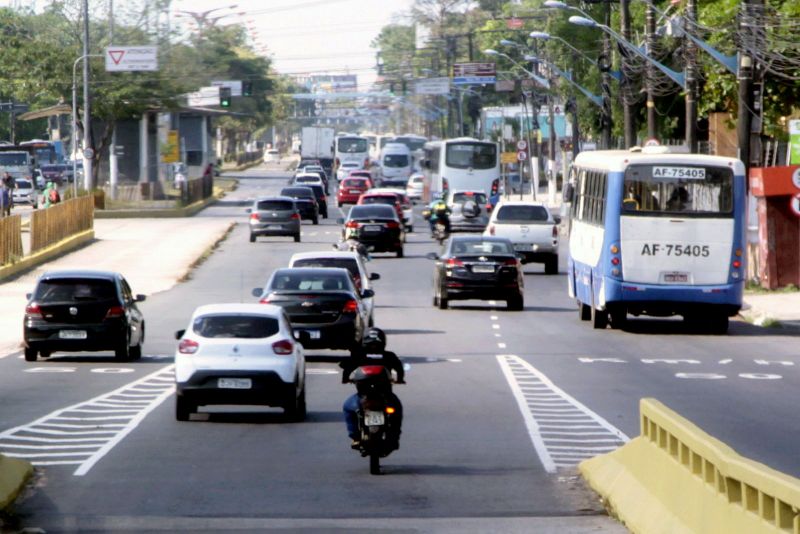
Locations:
(477, 247)
(678, 189)
(23, 184)
(344, 263)
(479, 198)
(235, 326)
(354, 184)
(395, 160)
(72, 289)
(523, 212)
(275, 205)
(379, 199)
(298, 192)
(305, 179)
(297, 280)
(373, 212)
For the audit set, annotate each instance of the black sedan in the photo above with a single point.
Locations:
(376, 226)
(483, 268)
(322, 302)
(305, 200)
(83, 311)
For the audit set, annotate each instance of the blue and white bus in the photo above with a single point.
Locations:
(657, 233)
(462, 164)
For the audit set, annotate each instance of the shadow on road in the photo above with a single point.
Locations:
(680, 327)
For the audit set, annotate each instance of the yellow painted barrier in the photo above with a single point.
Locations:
(13, 475)
(675, 478)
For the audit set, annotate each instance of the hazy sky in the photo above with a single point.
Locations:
(305, 36)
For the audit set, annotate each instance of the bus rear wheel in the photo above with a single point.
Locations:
(618, 317)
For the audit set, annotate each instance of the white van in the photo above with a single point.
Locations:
(395, 165)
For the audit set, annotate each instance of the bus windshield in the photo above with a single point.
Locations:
(395, 160)
(12, 159)
(471, 155)
(675, 189)
(352, 146)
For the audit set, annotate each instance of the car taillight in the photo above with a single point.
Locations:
(33, 309)
(264, 300)
(351, 306)
(454, 262)
(283, 347)
(393, 225)
(295, 216)
(495, 186)
(254, 216)
(555, 231)
(351, 224)
(511, 261)
(114, 312)
(188, 346)
(491, 229)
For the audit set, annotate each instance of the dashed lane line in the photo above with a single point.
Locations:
(564, 432)
(83, 433)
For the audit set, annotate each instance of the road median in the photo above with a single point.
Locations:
(675, 478)
(46, 254)
(14, 473)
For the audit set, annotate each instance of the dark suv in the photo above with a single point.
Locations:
(81, 310)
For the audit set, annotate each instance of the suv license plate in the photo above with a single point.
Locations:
(72, 334)
(234, 383)
(676, 278)
(372, 418)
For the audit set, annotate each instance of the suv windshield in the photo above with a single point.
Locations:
(678, 189)
(74, 289)
(522, 213)
(236, 326)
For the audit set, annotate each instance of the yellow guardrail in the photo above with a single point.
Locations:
(675, 478)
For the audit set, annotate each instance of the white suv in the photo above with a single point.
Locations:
(239, 354)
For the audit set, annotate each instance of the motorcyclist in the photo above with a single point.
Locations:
(439, 210)
(373, 352)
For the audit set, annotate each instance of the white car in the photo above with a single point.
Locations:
(405, 202)
(308, 179)
(24, 192)
(530, 227)
(239, 354)
(414, 186)
(352, 261)
(272, 156)
(344, 169)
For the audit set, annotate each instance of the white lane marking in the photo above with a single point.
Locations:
(493, 317)
(319, 371)
(496, 326)
(556, 450)
(501, 345)
(498, 335)
(60, 429)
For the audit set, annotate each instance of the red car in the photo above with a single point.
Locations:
(360, 173)
(389, 199)
(350, 189)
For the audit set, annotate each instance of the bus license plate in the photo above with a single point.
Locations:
(234, 383)
(485, 269)
(676, 278)
(72, 334)
(372, 418)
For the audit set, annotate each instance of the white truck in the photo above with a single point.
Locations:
(316, 143)
(531, 228)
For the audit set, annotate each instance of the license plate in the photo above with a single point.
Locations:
(676, 278)
(373, 228)
(522, 247)
(313, 334)
(72, 334)
(274, 227)
(234, 383)
(355, 191)
(372, 418)
(483, 268)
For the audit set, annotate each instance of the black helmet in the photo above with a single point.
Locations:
(374, 341)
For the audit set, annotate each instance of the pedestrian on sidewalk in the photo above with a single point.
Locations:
(11, 183)
(5, 200)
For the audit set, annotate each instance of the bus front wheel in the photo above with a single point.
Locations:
(599, 318)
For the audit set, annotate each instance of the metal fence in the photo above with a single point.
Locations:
(198, 189)
(65, 219)
(10, 239)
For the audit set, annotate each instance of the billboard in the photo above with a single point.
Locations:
(474, 73)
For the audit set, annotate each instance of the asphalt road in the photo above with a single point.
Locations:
(479, 378)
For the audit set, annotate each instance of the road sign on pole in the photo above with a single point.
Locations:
(474, 73)
(522, 144)
(131, 58)
(522, 155)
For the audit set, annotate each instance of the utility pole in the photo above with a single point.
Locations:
(551, 143)
(628, 113)
(747, 67)
(650, 39)
(113, 163)
(605, 66)
(691, 80)
(88, 175)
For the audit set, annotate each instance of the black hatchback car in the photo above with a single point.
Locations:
(305, 200)
(376, 226)
(322, 199)
(81, 310)
(323, 302)
(477, 267)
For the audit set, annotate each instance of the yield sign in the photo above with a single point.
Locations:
(116, 55)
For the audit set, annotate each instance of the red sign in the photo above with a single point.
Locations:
(514, 24)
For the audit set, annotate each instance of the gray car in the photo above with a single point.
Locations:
(468, 211)
(274, 216)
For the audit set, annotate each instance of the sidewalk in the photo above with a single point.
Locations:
(153, 254)
(767, 308)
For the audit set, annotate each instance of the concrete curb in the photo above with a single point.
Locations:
(47, 254)
(186, 211)
(14, 473)
(675, 478)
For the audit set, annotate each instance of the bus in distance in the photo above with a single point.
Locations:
(657, 233)
(462, 164)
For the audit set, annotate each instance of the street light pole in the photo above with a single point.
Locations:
(628, 113)
(88, 175)
(691, 82)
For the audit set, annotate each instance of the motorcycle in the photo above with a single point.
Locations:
(379, 414)
(440, 232)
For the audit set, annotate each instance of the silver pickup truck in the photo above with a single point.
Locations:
(531, 228)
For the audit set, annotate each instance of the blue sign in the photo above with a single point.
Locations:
(474, 80)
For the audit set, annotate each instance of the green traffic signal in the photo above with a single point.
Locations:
(225, 97)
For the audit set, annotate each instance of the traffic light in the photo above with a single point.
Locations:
(225, 97)
(247, 88)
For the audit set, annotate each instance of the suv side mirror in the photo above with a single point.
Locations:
(374, 276)
(257, 292)
(557, 219)
(139, 298)
(179, 334)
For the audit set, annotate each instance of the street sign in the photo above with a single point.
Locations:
(514, 23)
(432, 86)
(522, 155)
(508, 157)
(794, 203)
(131, 58)
(171, 150)
(522, 144)
(474, 73)
(206, 96)
(235, 86)
(88, 153)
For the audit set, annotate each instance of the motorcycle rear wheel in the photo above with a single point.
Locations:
(374, 462)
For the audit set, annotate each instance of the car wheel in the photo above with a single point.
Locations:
(400, 252)
(442, 301)
(30, 355)
(135, 352)
(252, 238)
(516, 304)
(551, 265)
(297, 238)
(123, 352)
(315, 220)
(183, 408)
(295, 409)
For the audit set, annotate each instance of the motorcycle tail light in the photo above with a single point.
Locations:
(283, 347)
(390, 410)
(188, 346)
